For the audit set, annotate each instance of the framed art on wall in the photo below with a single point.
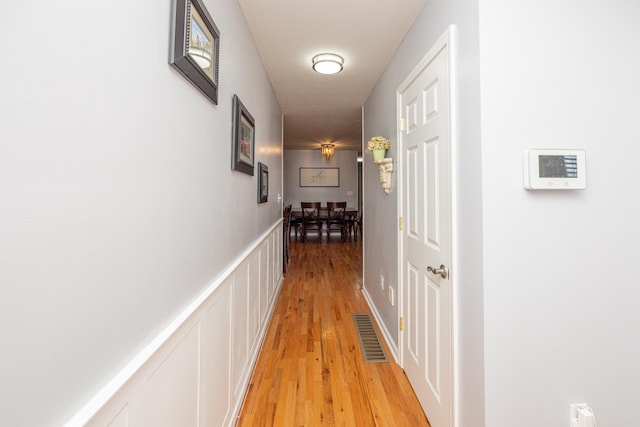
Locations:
(319, 177)
(195, 46)
(243, 137)
(263, 182)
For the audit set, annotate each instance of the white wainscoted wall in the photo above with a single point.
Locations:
(119, 210)
(184, 377)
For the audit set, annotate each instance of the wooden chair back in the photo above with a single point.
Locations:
(311, 218)
(336, 210)
(310, 211)
(336, 218)
(286, 237)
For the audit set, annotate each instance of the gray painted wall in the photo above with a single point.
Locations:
(119, 205)
(345, 160)
(561, 272)
(381, 226)
(545, 282)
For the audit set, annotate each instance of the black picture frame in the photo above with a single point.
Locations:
(263, 182)
(195, 46)
(243, 138)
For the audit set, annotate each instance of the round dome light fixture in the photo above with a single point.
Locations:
(327, 63)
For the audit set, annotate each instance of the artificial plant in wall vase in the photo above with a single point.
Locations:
(379, 145)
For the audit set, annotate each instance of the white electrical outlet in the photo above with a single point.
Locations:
(381, 282)
(581, 415)
(390, 295)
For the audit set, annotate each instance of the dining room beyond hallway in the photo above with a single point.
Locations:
(311, 371)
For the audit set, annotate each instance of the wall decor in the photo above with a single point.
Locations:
(243, 138)
(195, 46)
(385, 167)
(319, 177)
(263, 182)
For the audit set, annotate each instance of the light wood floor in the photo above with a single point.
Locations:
(311, 371)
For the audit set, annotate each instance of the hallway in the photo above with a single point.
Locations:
(310, 371)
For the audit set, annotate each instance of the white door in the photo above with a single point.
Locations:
(424, 108)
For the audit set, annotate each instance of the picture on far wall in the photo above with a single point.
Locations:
(319, 177)
(263, 182)
(195, 46)
(243, 137)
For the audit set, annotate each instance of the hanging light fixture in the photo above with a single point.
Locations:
(327, 63)
(327, 150)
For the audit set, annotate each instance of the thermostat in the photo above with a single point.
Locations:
(554, 170)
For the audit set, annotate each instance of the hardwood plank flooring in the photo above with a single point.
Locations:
(311, 371)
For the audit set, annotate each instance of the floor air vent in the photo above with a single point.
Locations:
(371, 348)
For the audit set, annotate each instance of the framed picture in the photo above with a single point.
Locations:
(243, 138)
(263, 182)
(319, 177)
(195, 46)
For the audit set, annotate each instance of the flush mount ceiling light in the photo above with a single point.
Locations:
(327, 63)
(327, 150)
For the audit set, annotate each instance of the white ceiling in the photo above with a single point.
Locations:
(288, 33)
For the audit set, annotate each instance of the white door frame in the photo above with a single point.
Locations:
(446, 39)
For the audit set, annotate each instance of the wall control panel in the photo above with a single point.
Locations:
(555, 169)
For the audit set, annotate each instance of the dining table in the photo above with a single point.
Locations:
(350, 215)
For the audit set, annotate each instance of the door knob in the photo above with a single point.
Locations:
(442, 271)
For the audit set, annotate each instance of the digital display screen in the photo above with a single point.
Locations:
(558, 166)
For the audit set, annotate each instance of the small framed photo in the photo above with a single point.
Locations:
(263, 183)
(195, 46)
(243, 138)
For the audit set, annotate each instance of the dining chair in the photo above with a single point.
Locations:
(356, 223)
(336, 219)
(286, 237)
(311, 219)
(296, 223)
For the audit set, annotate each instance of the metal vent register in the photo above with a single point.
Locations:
(369, 341)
